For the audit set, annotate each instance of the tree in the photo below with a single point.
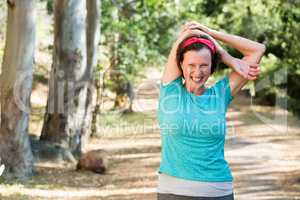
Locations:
(69, 79)
(93, 8)
(138, 35)
(274, 23)
(15, 85)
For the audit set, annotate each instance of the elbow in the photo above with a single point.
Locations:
(258, 53)
(258, 50)
(261, 49)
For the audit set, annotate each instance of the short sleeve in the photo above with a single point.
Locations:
(172, 88)
(170, 96)
(222, 87)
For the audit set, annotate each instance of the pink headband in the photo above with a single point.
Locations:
(207, 42)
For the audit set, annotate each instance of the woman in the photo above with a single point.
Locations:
(192, 117)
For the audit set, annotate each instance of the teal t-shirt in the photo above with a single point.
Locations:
(193, 130)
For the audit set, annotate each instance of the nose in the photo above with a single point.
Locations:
(198, 70)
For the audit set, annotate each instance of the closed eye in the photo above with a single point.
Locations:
(202, 65)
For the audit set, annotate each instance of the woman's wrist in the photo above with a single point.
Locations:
(215, 34)
(239, 66)
(211, 32)
(226, 58)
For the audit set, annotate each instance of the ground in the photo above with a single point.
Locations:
(261, 150)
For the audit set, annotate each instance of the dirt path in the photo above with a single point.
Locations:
(264, 159)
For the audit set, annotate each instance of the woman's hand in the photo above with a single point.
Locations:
(249, 71)
(198, 30)
(196, 25)
(187, 32)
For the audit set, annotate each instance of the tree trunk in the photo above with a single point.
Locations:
(68, 89)
(16, 86)
(123, 99)
(92, 40)
(114, 72)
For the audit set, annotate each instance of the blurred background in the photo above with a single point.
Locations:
(103, 141)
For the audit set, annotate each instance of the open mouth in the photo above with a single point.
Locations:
(197, 80)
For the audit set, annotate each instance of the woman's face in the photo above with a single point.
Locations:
(196, 67)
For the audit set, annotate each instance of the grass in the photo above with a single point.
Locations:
(114, 124)
(110, 118)
(16, 197)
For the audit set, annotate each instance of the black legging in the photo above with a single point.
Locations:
(162, 196)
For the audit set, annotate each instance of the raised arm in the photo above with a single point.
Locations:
(244, 69)
(252, 53)
(172, 71)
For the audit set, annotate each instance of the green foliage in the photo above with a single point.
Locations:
(137, 33)
(274, 23)
(146, 30)
(49, 6)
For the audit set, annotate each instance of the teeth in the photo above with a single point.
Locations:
(196, 79)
